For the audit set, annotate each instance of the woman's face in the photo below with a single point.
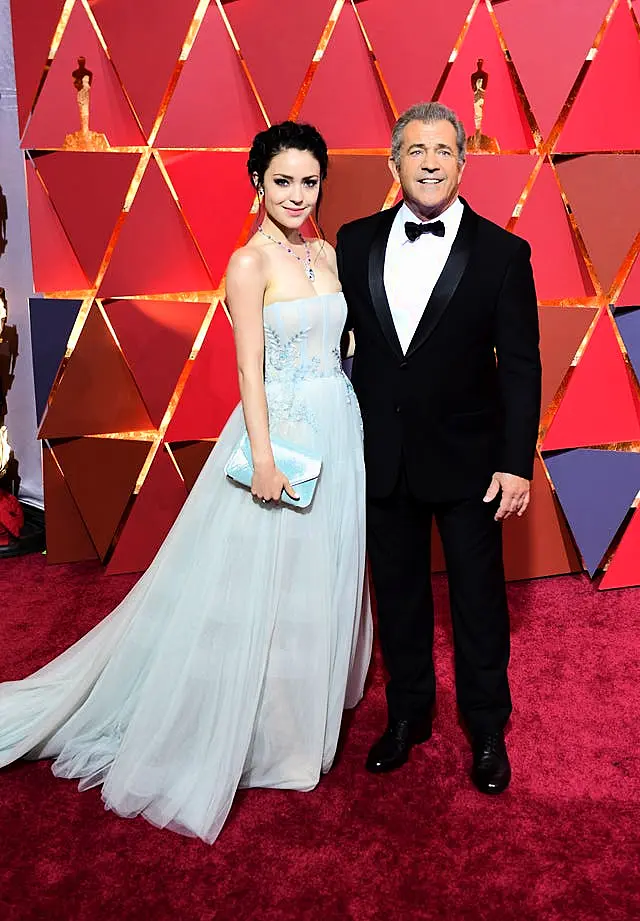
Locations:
(291, 187)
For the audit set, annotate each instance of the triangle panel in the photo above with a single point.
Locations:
(601, 117)
(96, 393)
(144, 57)
(215, 194)
(566, 32)
(211, 391)
(33, 23)
(601, 405)
(608, 232)
(191, 456)
(101, 474)
(55, 265)
(504, 124)
(156, 338)
(562, 330)
(357, 185)
(596, 489)
(88, 191)
(292, 44)
(493, 185)
(351, 113)
(628, 323)
(213, 104)
(56, 118)
(411, 77)
(51, 322)
(558, 267)
(155, 509)
(540, 543)
(68, 540)
(154, 253)
(630, 294)
(624, 568)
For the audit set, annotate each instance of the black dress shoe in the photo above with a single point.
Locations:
(491, 770)
(391, 751)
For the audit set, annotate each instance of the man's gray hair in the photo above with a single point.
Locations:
(428, 112)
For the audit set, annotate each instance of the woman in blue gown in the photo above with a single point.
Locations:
(230, 661)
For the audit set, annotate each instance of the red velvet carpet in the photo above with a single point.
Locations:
(560, 845)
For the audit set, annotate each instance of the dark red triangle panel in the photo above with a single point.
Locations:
(33, 23)
(292, 40)
(357, 185)
(56, 114)
(562, 329)
(493, 185)
(101, 474)
(630, 294)
(191, 456)
(601, 117)
(68, 540)
(352, 113)
(97, 393)
(215, 194)
(155, 252)
(412, 77)
(213, 104)
(88, 191)
(154, 510)
(211, 391)
(156, 338)
(145, 57)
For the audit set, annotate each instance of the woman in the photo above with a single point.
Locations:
(230, 661)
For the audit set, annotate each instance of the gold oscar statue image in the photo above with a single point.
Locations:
(479, 142)
(85, 138)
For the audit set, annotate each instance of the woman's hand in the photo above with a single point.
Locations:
(268, 484)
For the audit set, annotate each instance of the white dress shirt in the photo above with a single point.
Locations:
(411, 270)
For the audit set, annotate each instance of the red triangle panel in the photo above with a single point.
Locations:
(97, 393)
(33, 23)
(215, 194)
(191, 456)
(213, 104)
(101, 474)
(493, 185)
(624, 568)
(156, 338)
(88, 191)
(503, 117)
(154, 510)
(55, 265)
(562, 329)
(351, 112)
(68, 540)
(630, 294)
(558, 266)
(144, 57)
(211, 390)
(357, 185)
(601, 117)
(601, 405)
(56, 114)
(155, 253)
(565, 31)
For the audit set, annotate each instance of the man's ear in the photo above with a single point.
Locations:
(393, 169)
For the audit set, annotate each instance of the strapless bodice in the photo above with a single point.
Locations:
(302, 338)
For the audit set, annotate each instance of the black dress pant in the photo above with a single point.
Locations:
(399, 547)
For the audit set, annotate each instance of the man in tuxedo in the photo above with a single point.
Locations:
(447, 371)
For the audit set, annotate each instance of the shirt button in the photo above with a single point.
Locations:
(398, 409)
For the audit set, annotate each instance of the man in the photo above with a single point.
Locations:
(447, 372)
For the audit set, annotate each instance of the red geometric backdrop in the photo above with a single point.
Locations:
(136, 227)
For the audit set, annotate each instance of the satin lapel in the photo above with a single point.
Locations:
(448, 281)
(376, 280)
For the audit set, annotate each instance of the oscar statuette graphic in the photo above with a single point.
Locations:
(479, 142)
(85, 138)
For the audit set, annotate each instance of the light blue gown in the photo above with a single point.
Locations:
(230, 661)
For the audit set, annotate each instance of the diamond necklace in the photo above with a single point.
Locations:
(306, 265)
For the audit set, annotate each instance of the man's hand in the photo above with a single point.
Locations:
(515, 494)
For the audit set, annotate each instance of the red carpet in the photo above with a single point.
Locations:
(560, 845)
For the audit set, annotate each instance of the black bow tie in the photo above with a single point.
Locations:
(413, 231)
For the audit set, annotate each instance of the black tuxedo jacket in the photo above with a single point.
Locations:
(464, 401)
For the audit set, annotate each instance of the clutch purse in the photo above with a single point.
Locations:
(300, 468)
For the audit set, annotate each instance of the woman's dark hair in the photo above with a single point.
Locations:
(287, 136)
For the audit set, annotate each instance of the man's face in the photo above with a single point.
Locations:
(429, 171)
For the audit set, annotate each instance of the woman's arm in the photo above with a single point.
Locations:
(246, 283)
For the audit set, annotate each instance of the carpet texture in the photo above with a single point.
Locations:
(562, 844)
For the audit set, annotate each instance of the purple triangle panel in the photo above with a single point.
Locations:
(596, 489)
(629, 325)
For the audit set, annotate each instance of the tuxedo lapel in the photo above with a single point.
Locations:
(376, 279)
(448, 281)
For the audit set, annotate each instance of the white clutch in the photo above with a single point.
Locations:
(301, 469)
